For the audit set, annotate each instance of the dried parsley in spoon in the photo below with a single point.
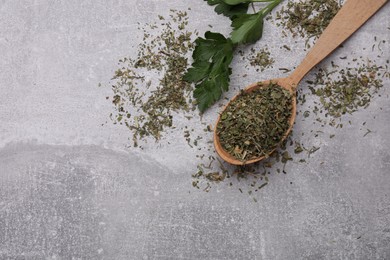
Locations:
(255, 123)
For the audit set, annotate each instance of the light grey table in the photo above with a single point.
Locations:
(70, 188)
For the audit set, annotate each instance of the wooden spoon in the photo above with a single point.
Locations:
(352, 15)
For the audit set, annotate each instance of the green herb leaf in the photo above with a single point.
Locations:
(210, 71)
(214, 46)
(198, 72)
(248, 28)
(228, 10)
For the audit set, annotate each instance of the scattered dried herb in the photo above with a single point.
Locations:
(345, 90)
(144, 106)
(261, 60)
(307, 18)
(252, 177)
(255, 123)
(368, 131)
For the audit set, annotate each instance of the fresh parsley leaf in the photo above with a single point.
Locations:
(200, 70)
(228, 10)
(248, 28)
(209, 91)
(210, 70)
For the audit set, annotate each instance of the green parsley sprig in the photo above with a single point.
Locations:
(210, 70)
(248, 28)
(213, 54)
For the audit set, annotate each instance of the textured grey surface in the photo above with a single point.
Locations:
(71, 189)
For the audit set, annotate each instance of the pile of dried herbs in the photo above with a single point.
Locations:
(307, 18)
(255, 123)
(145, 106)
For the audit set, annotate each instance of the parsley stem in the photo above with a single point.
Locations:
(270, 7)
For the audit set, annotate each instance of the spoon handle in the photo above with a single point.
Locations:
(352, 15)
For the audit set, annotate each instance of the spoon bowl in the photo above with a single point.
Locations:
(285, 83)
(351, 16)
